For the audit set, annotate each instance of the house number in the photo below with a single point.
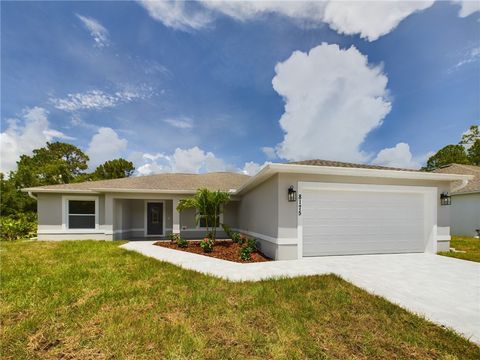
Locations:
(299, 204)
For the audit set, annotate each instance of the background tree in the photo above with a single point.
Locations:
(467, 151)
(114, 169)
(448, 155)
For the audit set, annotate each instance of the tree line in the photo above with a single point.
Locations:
(56, 163)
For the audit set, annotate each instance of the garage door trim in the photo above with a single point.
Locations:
(430, 210)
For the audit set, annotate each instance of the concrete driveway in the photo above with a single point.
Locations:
(444, 290)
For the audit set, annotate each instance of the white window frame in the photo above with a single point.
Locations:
(65, 214)
(145, 218)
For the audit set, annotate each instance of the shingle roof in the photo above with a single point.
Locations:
(170, 182)
(473, 185)
(319, 162)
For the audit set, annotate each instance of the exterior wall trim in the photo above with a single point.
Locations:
(273, 240)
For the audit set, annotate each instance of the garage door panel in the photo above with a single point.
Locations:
(362, 222)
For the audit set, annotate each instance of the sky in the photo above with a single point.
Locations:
(229, 86)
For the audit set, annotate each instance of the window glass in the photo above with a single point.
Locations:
(81, 222)
(81, 207)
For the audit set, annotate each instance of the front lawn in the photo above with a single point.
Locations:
(469, 245)
(89, 300)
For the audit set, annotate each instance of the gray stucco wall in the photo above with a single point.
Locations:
(258, 209)
(49, 208)
(465, 214)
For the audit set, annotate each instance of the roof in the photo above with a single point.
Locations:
(319, 162)
(237, 183)
(168, 182)
(473, 185)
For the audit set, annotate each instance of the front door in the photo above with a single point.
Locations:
(154, 218)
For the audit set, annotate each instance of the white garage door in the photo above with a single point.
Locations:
(342, 222)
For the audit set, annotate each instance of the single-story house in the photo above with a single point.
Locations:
(295, 210)
(465, 202)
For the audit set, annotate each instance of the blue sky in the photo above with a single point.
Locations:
(200, 86)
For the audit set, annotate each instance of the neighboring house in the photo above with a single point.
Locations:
(295, 210)
(465, 207)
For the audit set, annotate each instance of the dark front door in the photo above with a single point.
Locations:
(154, 218)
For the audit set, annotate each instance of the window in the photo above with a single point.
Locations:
(203, 222)
(81, 214)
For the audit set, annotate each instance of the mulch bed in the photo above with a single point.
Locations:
(223, 249)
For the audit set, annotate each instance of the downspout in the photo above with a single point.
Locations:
(32, 196)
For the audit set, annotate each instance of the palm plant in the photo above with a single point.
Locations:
(209, 206)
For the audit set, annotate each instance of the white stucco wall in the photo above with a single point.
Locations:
(465, 214)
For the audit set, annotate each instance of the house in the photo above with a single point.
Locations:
(465, 202)
(295, 210)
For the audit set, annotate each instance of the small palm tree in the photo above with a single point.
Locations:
(209, 206)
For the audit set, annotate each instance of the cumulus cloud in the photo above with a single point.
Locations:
(333, 99)
(251, 167)
(467, 7)
(181, 15)
(22, 136)
(181, 123)
(98, 32)
(269, 152)
(105, 145)
(193, 160)
(369, 19)
(97, 99)
(398, 156)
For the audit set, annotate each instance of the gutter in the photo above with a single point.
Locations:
(461, 186)
(31, 195)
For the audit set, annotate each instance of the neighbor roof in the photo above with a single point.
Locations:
(473, 185)
(319, 162)
(171, 182)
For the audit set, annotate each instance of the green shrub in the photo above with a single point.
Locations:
(20, 226)
(177, 238)
(246, 253)
(236, 237)
(207, 245)
(249, 246)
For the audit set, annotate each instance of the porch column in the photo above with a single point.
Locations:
(175, 217)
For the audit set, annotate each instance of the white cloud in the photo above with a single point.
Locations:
(21, 137)
(105, 145)
(333, 99)
(181, 15)
(181, 123)
(98, 32)
(251, 168)
(398, 156)
(193, 160)
(370, 19)
(470, 56)
(77, 121)
(269, 152)
(97, 99)
(467, 7)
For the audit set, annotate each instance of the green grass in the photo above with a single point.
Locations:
(470, 245)
(89, 300)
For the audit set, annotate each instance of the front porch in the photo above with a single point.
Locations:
(155, 217)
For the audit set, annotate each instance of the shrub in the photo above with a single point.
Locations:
(210, 235)
(18, 226)
(249, 246)
(181, 242)
(236, 237)
(207, 245)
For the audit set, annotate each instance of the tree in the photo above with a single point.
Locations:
(471, 140)
(474, 153)
(448, 155)
(209, 206)
(57, 163)
(114, 169)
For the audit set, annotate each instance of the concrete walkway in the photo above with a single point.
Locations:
(444, 290)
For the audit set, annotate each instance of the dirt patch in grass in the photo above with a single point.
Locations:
(223, 249)
(468, 248)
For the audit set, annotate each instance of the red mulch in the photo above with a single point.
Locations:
(223, 249)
